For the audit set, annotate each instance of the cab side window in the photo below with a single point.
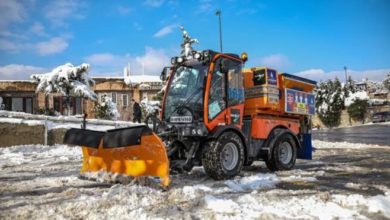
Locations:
(217, 95)
(235, 84)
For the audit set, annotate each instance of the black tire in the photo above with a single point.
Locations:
(278, 159)
(215, 156)
(248, 163)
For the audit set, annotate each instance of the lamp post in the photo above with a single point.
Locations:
(346, 77)
(218, 13)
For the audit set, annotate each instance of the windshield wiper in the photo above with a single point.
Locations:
(184, 104)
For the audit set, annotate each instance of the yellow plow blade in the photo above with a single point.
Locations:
(132, 151)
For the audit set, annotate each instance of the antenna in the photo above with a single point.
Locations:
(218, 13)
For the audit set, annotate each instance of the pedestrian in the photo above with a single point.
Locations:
(137, 113)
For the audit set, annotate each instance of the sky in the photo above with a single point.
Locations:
(315, 39)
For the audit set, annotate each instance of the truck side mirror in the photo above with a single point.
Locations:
(163, 75)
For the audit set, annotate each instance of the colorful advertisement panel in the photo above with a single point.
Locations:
(272, 77)
(298, 102)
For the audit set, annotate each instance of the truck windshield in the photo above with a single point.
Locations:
(186, 90)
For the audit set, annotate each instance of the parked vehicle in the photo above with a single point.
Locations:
(381, 117)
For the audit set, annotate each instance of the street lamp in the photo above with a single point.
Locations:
(218, 13)
(346, 77)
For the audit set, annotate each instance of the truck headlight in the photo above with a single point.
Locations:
(197, 56)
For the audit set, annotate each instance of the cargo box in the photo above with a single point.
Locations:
(261, 90)
(266, 91)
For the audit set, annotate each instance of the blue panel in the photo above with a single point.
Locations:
(305, 152)
(272, 77)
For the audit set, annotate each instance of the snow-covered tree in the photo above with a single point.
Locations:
(107, 109)
(386, 82)
(357, 109)
(69, 80)
(151, 107)
(352, 99)
(350, 86)
(330, 102)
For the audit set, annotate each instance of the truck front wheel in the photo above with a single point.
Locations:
(284, 153)
(223, 158)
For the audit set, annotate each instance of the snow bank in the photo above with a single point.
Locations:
(55, 122)
(344, 145)
(379, 203)
(24, 154)
(260, 181)
(220, 205)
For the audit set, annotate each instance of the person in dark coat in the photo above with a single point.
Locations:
(137, 112)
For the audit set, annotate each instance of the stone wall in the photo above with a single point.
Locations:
(345, 117)
(22, 134)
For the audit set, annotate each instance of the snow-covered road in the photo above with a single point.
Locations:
(345, 181)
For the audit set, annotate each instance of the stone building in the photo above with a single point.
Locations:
(20, 95)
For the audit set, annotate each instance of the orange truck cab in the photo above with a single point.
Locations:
(223, 117)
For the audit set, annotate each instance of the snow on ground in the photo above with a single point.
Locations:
(41, 182)
(344, 145)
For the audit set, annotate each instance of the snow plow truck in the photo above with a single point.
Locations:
(215, 114)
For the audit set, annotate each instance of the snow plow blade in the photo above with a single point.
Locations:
(133, 151)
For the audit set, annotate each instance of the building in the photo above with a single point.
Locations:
(361, 86)
(122, 92)
(20, 95)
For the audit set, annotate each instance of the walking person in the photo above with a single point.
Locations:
(137, 113)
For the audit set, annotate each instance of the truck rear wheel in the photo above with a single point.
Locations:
(284, 153)
(223, 158)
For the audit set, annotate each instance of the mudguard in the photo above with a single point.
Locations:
(132, 151)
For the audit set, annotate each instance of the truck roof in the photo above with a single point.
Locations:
(294, 77)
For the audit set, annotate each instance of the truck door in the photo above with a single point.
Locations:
(226, 94)
(235, 93)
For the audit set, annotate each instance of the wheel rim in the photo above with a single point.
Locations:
(285, 152)
(229, 156)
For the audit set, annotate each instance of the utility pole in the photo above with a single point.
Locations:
(218, 13)
(346, 76)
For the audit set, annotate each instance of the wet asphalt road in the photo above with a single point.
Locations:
(369, 134)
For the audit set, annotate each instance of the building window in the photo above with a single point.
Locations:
(17, 104)
(29, 105)
(125, 99)
(113, 97)
(60, 104)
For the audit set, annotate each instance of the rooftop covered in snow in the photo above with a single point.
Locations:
(133, 78)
